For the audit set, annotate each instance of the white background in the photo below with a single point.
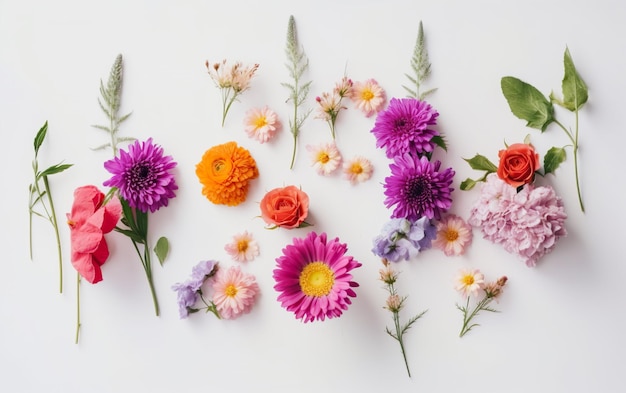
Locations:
(561, 328)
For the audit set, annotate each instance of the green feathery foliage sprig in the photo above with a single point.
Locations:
(298, 91)
(420, 66)
(110, 101)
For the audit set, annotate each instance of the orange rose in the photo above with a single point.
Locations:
(285, 207)
(518, 164)
(225, 172)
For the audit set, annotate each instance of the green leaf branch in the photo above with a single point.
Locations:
(528, 103)
(298, 91)
(41, 195)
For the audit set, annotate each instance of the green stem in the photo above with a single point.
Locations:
(147, 267)
(574, 140)
(396, 320)
(466, 319)
(77, 307)
(293, 154)
(53, 220)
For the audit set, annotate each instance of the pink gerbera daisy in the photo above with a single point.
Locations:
(453, 235)
(234, 292)
(313, 278)
(358, 169)
(243, 247)
(469, 282)
(261, 124)
(368, 96)
(325, 157)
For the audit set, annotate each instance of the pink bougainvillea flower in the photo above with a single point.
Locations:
(453, 235)
(469, 282)
(368, 96)
(243, 247)
(358, 169)
(261, 124)
(234, 292)
(325, 158)
(313, 277)
(89, 221)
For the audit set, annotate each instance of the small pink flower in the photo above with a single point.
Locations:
(234, 292)
(325, 157)
(469, 282)
(261, 124)
(358, 169)
(368, 96)
(89, 221)
(453, 235)
(243, 248)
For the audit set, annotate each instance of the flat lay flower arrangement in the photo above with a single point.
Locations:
(315, 274)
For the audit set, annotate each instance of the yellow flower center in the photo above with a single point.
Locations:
(468, 280)
(452, 235)
(356, 168)
(260, 121)
(242, 245)
(316, 279)
(323, 157)
(230, 290)
(367, 95)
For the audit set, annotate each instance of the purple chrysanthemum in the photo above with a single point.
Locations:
(404, 127)
(313, 278)
(143, 176)
(416, 188)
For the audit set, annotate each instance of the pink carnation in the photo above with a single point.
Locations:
(527, 223)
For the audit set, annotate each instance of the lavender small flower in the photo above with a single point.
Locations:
(187, 296)
(143, 176)
(402, 239)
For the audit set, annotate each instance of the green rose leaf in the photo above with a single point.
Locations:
(553, 158)
(574, 88)
(481, 163)
(161, 249)
(527, 103)
(468, 184)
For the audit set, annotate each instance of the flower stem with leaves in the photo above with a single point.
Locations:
(109, 102)
(298, 91)
(39, 192)
(491, 292)
(395, 304)
(528, 103)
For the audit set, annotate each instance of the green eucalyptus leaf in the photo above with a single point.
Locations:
(161, 249)
(527, 103)
(553, 158)
(574, 88)
(41, 135)
(54, 169)
(481, 163)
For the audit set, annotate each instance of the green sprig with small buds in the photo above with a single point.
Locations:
(298, 91)
(528, 103)
(40, 195)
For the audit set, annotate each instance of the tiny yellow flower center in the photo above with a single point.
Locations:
(230, 290)
(317, 279)
(356, 168)
(242, 245)
(367, 95)
(468, 280)
(323, 157)
(260, 121)
(452, 235)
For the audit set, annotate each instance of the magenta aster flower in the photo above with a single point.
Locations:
(416, 188)
(143, 176)
(404, 127)
(313, 278)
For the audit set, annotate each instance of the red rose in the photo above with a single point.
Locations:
(285, 207)
(518, 164)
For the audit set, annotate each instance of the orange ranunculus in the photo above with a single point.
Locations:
(225, 171)
(518, 164)
(285, 207)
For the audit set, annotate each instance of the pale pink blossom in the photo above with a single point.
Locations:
(243, 247)
(368, 97)
(453, 235)
(358, 169)
(234, 292)
(469, 282)
(325, 157)
(261, 124)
